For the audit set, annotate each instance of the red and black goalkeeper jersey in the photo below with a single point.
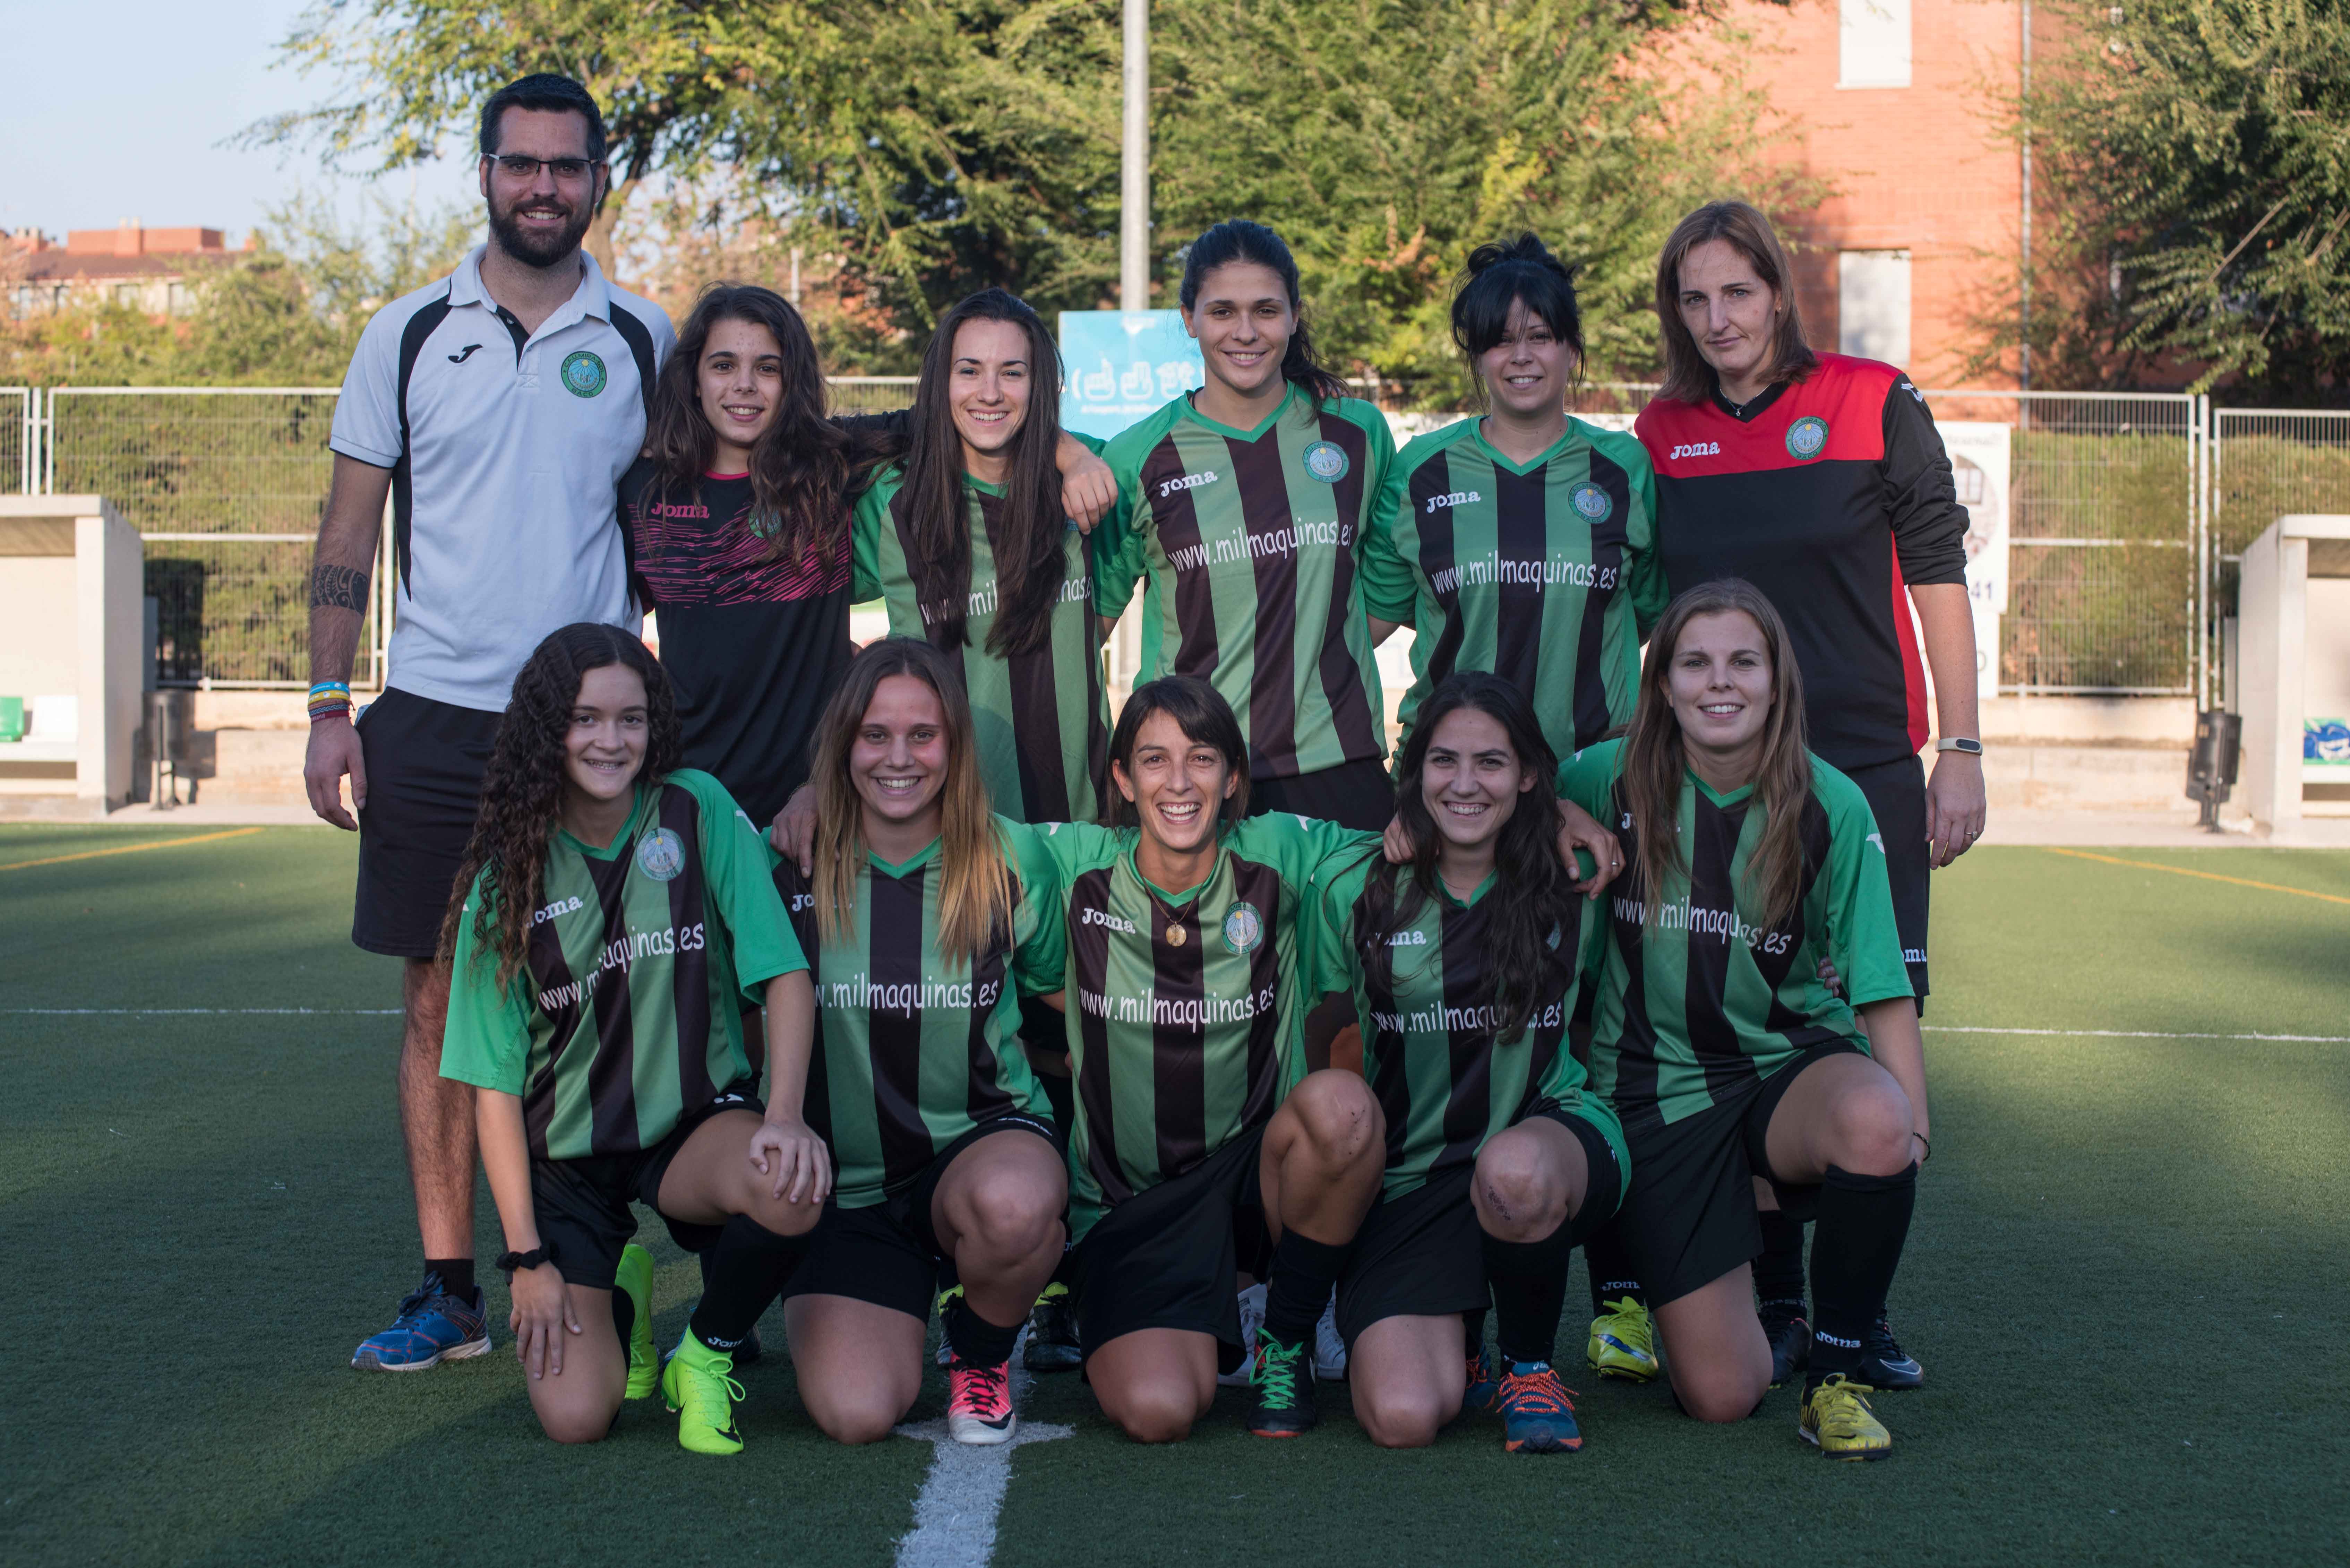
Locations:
(1832, 495)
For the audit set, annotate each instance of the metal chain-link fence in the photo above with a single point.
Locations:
(17, 442)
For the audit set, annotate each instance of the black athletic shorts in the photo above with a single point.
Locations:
(1165, 1258)
(424, 762)
(582, 1204)
(1353, 795)
(887, 1253)
(1423, 1254)
(1690, 1217)
(1897, 797)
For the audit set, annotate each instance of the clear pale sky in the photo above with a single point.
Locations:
(120, 112)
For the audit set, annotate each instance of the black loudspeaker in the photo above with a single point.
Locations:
(2211, 765)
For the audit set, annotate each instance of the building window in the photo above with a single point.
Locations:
(1873, 304)
(126, 295)
(184, 299)
(1873, 39)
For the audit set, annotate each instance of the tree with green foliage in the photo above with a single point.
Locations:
(2195, 196)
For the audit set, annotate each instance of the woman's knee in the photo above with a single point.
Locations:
(780, 1215)
(1520, 1189)
(856, 1415)
(581, 1421)
(1400, 1421)
(1719, 1398)
(1011, 1213)
(1154, 1412)
(1339, 1116)
(1872, 1128)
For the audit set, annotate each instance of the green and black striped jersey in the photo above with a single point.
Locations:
(1186, 1010)
(1707, 998)
(1444, 1082)
(641, 959)
(1545, 574)
(915, 1048)
(1042, 718)
(1249, 545)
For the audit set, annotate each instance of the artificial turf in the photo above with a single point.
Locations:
(2126, 1281)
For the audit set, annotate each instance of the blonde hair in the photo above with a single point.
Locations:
(977, 892)
(1688, 378)
(1654, 758)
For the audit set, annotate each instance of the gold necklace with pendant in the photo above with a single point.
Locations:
(1176, 935)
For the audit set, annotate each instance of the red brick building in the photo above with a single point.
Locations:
(144, 269)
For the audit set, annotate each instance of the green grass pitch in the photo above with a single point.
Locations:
(2127, 1282)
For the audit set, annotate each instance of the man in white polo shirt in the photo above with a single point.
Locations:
(498, 408)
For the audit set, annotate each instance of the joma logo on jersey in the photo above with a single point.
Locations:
(1103, 918)
(1695, 449)
(560, 907)
(803, 902)
(1189, 482)
(1453, 498)
(1408, 940)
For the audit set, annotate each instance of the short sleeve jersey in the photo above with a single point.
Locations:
(916, 1047)
(1042, 718)
(1247, 543)
(504, 448)
(641, 959)
(1705, 997)
(1834, 495)
(1186, 1010)
(1444, 1081)
(1543, 573)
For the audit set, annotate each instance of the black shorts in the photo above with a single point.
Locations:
(582, 1204)
(1690, 1217)
(887, 1253)
(1423, 1254)
(1897, 797)
(1353, 795)
(424, 762)
(1166, 1258)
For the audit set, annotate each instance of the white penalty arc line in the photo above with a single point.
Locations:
(954, 1514)
(2133, 1034)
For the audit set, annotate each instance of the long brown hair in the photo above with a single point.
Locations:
(521, 790)
(1032, 554)
(1654, 759)
(977, 897)
(803, 470)
(1688, 378)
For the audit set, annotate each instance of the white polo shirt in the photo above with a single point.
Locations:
(505, 451)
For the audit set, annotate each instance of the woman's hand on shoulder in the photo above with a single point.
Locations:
(1578, 829)
(794, 831)
(1396, 844)
(788, 1153)
(1089, 489)
(541, 1316)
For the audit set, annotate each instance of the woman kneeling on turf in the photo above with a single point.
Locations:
(1716, 1038)
(615, 921)
(928, 919)
(1199, 1136)
(1463, 968)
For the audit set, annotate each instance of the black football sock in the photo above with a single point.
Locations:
(977, 1342)
(1472, 1330)
(1610, 1263)
(1304, 1274)
(1529, 1282)
(1779, 1267)
(457, 1275)
(624, 1317)
(1863, 1221)
(747, 1269)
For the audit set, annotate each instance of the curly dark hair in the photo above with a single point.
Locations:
(522, 791)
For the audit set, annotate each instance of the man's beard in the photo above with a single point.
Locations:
(537, 248)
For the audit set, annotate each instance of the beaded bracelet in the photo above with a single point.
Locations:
(330, 699)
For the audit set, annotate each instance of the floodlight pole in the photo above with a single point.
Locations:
(1134, 165)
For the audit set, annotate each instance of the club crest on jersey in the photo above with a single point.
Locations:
(660, 855)
(1243, 928)
(1594, 502)
(1326, 461)
(1807, 438)
(583, 374)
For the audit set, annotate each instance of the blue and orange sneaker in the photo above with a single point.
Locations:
(1484, 1384)
(433, 1326)
(1537, 1416)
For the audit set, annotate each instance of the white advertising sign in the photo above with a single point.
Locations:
(1979, 453)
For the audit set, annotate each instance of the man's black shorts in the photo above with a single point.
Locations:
(1165, 1258)
(887, 1253)
(582, 1204)
(1689, 1217)
(1423, 1255)
(1360, 795)
(424, 762)
(1897, 797)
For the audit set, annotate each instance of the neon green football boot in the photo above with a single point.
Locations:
(1623, 1342)
(699, 1385)
(636, 1277)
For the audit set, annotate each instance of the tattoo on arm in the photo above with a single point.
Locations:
(337, 588)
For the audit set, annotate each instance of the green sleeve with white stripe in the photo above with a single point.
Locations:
(1863, 942)
(734, 865)
(1039, 961)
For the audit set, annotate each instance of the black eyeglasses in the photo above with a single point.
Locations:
(522, 166)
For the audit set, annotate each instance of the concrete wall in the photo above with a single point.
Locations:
(36, 624)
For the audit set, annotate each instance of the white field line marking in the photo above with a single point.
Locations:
(201, 1012)
(954, 1516)
(2134, 1034)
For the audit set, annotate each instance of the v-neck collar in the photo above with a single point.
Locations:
(929, 853)
(1734, 797)
(1503, 460)
(1191, 409)
(1747, 413)
(620, 840)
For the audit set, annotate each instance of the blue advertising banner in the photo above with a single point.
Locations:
(1121, 365)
